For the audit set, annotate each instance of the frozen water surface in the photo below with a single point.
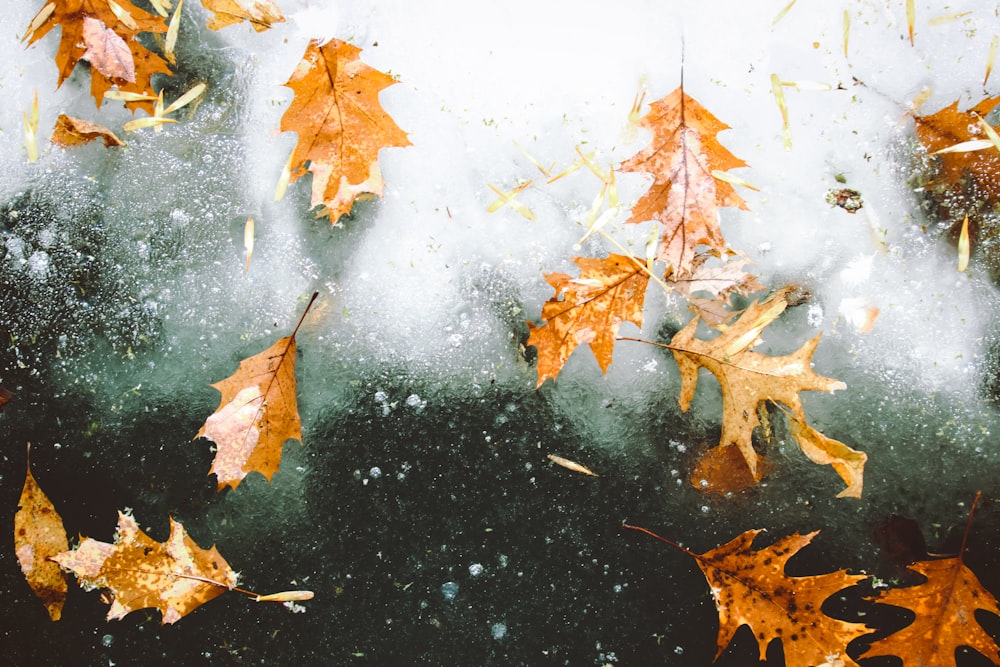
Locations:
(421, 508)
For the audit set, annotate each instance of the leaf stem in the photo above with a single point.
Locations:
(639, 264)
(305, 312)
(968, 524)
(662, 539)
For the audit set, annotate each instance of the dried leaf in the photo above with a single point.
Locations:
(175, 576)
(71, 131)
(684, 197)
(571, 465)
(341, 125)
(261, 14)
(107, 52)
(747, 378)
(589, 309)
(849, 463)
(257, 414)
(38, 536)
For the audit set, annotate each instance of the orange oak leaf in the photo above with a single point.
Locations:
(341, 125)
(261, 14)
(685, 196)
(71, 131)
(949, 128)
(106, 51)
(945, 606)
(257, 414)
(121, 18)
(175, 576)
(750, 587)
(748, 378)
(589, 309)
(38, 536)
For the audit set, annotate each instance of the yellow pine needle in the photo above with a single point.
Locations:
(847, 30)
(284, 179)
(652, 245)
(188, 97)
(635, 113)
(594, 169)
(808, 85)
(31, 130)
(733, 180)
(508, 199)
(911, 17)
(125, 96)
(991, 56)
(963, 245)
(248, 241)
(990, 132)
(571, 465)
(779, 97)
(149, 121)
(577, 164)
(41, 17)
(966, 147)
(946, 18)
(161, 7)
(546, 172)
(782, 13)
(601, 221)
(123, 15)
(285, 596)
(172, 30)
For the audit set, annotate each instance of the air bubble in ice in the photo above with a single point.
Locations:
(499, 631)
(375, 472)
(107, 640)
(475, 569)
(449, 590)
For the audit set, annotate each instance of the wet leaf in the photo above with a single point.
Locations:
(341, 125)
(261, 14)
(71, 131)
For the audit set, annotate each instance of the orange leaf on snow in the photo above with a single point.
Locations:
(38, 536)
(341, 125)
(71, 131)
(589, 309)
(175, 576)
(122, 18)
(261, 14)
(684, 197)
(257, 414)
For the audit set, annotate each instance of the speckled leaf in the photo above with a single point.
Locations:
(589, 309)
(945, 607)
(750, 587)
(175, 576)
(39, 535)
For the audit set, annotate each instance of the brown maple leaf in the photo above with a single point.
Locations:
(71, 131)
(685, 196)
(261, 14)
(106, 51)
(750, 587)
(175, 576)
(945, 606)
(589, 309)
(38, 536)
(257, 414)
(125, 21)
(748, 378)
(341, 125)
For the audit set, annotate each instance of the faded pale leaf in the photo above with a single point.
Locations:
(71, 131)
(39, 535)
(175, 576)
(107, 52)
(849, 463)
(341, 125)
(588, 310)
(684, 197)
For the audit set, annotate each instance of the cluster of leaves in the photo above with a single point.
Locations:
(335, 111)
(258, 413)
(690, 183)
(750, 587)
